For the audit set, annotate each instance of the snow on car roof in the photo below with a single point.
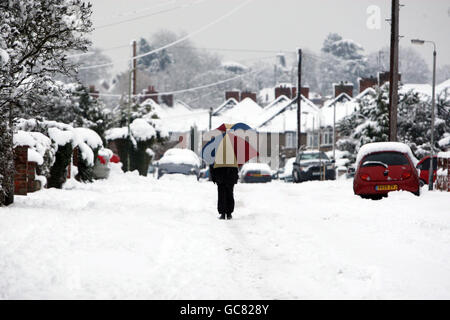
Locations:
(385, 146)
(264, 167)
(180, 156)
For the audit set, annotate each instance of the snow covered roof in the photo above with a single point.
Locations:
(245, 111)
(422, 89)
(443, 86)
(281, 116)
(228, 104)
(365, 92)
(343, 109)
(385, 146)
(343, 97)
(163, 111)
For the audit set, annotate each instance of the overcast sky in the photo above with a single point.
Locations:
(271, 24)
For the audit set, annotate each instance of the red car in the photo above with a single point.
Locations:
(384, 167)
(423, 166)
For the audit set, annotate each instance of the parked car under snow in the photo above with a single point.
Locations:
(182, 161)
(255, 172)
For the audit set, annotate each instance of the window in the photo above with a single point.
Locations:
(291, 139)
(313, 140)
(388, 158)
(327, 137)
(314, 156)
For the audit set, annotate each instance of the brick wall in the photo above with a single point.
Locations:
(167, 99)
(151, 90)
(343, 87)
(383, 77)
(247, 94)
(33, 185)
(283, 91)
(365, 83)
(21, 170)
(232, 94)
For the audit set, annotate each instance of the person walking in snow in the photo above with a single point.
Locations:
(225, 178)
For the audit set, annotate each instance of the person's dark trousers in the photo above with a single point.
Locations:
(225, 203)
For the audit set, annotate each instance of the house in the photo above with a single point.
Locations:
(279, 119)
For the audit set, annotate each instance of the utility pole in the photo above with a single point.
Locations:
(393, 71)
(299, 99)
(134, 68)
(210, 117)
(334, 131)
(131, 89)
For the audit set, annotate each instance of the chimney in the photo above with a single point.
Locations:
(341, 87)
(304, 92)
(383, 77)
(232, 94)
(154, 96)
(167, 99)
(248, 94)
(93, 93)
(365, 83)
(282, 90)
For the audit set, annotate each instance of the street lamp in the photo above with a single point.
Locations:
(430, 175)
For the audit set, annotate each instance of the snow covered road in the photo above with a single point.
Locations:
(136, 237)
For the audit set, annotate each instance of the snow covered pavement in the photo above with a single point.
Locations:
(137, 237)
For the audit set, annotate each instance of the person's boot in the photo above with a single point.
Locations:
(222, 216)
(229, 216)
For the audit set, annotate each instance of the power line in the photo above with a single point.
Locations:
(151, 14)
(94, 52)
(205, 27)
(128, 13)
(177, 91)
(137, 18)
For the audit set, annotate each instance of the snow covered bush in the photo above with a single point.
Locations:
(88, 143)
(56, 150)
(135, 146)
(370, 123)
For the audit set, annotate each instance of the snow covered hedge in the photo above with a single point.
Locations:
(51, 143)
(135, 143)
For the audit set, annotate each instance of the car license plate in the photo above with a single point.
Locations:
(316, 173)
(387, 187)
(257, 175)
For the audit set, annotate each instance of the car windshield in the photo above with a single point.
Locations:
(314, 156)
(388, 158)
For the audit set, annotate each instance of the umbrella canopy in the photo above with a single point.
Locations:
(230, 145)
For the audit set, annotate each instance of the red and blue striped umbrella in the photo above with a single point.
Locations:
(231, 145)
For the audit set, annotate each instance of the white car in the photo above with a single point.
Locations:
(177, 160)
